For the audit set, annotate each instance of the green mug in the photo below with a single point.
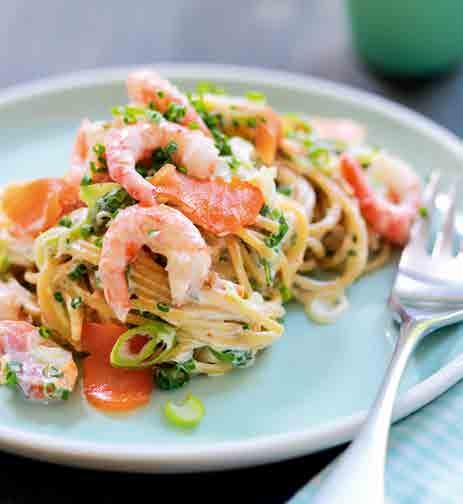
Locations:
(408, 38)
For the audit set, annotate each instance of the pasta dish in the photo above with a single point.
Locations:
(173, 241)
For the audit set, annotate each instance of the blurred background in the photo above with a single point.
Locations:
(38, 39)
(44, 38)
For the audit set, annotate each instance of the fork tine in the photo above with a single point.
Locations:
(445, 237)
(420, 230)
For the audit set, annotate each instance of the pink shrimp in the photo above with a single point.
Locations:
(83, 155)
(391, 218)
(343, 130)
(165, 231)
(126, 146)
(37, 365)
(147, 86)
(78, 156)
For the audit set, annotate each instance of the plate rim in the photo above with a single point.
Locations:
(261, 449)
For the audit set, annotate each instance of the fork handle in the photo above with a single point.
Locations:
(358, 475)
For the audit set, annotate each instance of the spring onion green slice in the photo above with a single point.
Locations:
(161, 340)
(89, 194)
(186, 414)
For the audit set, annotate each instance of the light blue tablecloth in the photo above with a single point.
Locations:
(425, 457)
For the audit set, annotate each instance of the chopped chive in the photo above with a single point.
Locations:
(265, 210)
(285, 190)
(4, 263)
(163, 307)
(86, 180)
(193, 125)
(209, 88)
(65, 394)
(175, 112)
(255, 96)
(11, 369)
(44, 332)
(78, 272)
(99, 149)
(171, 147)
(86, 230)
(76, 302)
(267, 271)
(234, 164)
(423, 212)
(153, 232)
(117, 111)
(93, 168)
(275, 238)
(161, 94)
(98, 242)
(286, 294)
(183, 170)
(251, 122)
(58, 297)
(65, 221)
(154, 116)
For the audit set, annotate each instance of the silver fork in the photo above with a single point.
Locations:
(427, 294)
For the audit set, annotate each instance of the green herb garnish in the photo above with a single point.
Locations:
(171, 376)
(275, 239)
(86, 230)
(45, 332)
(423, 211)
(78, 272)
(285, 190)
(237, 358)
(86, 180)
(58, 297)
(286, 294)
(234, 164)
(163, 307)
(76, 302)
(255, 96)
(175, 112)
(65, 221)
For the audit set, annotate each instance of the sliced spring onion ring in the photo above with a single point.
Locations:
(161, 340)
(186, 414)
(326, 310)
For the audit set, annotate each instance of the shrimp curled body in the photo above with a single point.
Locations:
(37, 365)
(390, 217)
(165, 231)
(126, 146)
(146, 86)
